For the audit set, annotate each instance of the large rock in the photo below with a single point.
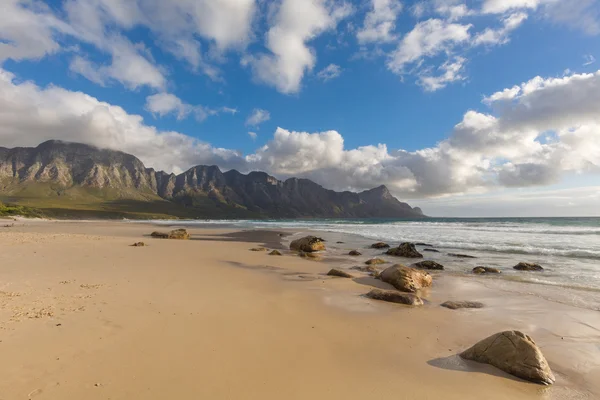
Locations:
(308, 244)
(339, 273)
(485, 270)
(407, 250)
(523, 266)
(455, 305)
(515, 353)
(406, 279)
(380, 245)
(395, 297)
(181, 234)
(428, 265)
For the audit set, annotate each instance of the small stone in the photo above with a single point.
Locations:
(139, 244)
(355, 253)
(455, 305)
(259, 249)
(339, 273)
(395, 297)
(375, 261)
(460, 255)
(428, 265)
(275, 253)
(523, 266)
(380, 245)
(485, 270)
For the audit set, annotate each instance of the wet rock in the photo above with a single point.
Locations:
(367, 268)
(339, 273)
(523, 266)
(275, 253)
(455, 305)
(355, 253)
(308, 244)
(259, 249)
(395, 297)
(138, 244)
(380, 245)
(406, 279)
(460, 255)
(515, 353)
(431, 250)
(424, 244)
(407, 250)
(180, 234)
(485, 270)
(428, 265)
(375, 261)
(340, 242)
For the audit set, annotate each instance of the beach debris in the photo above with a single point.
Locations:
(375, 261)
(431, 250)
(181, 234)
(339, 273)
(523, 266)
(455, 305)
(406, 279)
(428, 265)
(460, 255)
(138, 244)
(407, 250)
(311, 256)
(485, 270)
(275, 253)
(308, 244)
(515, 353)
(380, 245)
(355, 253)
(259, 249)
(395, 297)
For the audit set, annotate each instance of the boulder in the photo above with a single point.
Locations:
(138, 244)
(460, 255)
(259, 249)
(375, 261)
(406, 279)
(407, 250)
(431, 250)
(485, 270)
(355, 253)
(428, 265)
(515, 353)
(180, 234)
(308, 244)
(380, 245)
(395, 297)
(523, 266)
(455, 305)
(339, 273)
(275, 253)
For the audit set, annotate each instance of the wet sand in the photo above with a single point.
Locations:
(84, 315)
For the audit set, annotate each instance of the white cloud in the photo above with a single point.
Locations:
(500, 36)
(589, 60)
(294, 24)
(380, 22)
(162, 104)
(257, 117)
(453, 11)
(501, 6)
(330, 72)
(253, 135)
(428, 38)
(452, 71)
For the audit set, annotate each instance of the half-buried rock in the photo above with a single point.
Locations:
(375, 261)
(523, 266)
(181, 234)
(515, 353)
(407, 250)
(339, 273)
(485, 270)
(455, 305)
(395, 297)
(259, 249)
(355, 253)
(275, 253)
(308, 244)
(428, 265)
(406, 279)
(380, 245)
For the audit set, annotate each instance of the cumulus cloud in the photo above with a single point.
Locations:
(380, 22)
(492, 36)
(452, 71)
(162, 104)
(257, 117)
(290, 57)
(330, 72)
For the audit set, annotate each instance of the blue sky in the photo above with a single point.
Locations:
(352, 94)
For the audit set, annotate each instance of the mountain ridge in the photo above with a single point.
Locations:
(104, 177)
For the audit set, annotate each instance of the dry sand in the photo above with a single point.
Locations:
(85, 316)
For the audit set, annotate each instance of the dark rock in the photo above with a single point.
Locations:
(275, 253)
(515, 353)
(460, 255)
(407, 250)
(406, 279)
(431, 250)
(308, 244)
(523, 266)
(368, 268)
(395, 297)
(138, 244)
(424, 244)
(380, 245)
(485, 270)
(428, 265)
(455, 305)
(355, 253)
(339, 273)
(340, 242)
(375, 261)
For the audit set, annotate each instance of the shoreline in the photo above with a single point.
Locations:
(277, 302)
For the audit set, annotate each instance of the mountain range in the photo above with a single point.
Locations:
(74, 179)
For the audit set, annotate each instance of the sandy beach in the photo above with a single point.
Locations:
(85, 315)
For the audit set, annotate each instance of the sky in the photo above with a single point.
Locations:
(460, 107)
